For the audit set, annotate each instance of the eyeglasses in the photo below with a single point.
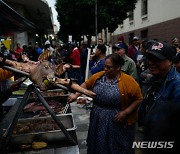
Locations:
(108, 67)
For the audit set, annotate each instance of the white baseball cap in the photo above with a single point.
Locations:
(47, 42)
(135, 38)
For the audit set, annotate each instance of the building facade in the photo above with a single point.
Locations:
(37, 12)
(151, 19)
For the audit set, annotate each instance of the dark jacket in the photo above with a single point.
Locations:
(169, 92)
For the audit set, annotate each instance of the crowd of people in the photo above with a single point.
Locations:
(135, 81)
(143, 77)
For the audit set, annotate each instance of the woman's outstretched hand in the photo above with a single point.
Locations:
(72, 97)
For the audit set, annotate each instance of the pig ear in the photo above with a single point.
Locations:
(59, 69)
(45, 55)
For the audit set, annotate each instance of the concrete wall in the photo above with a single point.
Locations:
(164, 31)
(21, 38)
(158, 11)
(162, 21)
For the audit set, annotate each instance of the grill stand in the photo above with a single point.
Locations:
(30, 88)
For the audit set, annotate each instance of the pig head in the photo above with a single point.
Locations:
(40, 72)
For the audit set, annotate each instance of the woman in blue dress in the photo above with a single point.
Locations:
(114, 112)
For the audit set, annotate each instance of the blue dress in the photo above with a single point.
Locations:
(104, 135)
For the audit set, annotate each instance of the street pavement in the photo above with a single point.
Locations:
(81, 118)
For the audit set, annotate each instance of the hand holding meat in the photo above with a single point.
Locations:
(15, 85)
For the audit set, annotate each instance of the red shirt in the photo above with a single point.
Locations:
(19, 50)
(75, 57)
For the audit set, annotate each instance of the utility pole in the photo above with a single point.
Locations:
(96, 20)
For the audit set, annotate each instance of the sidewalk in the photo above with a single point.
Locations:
(81, 118)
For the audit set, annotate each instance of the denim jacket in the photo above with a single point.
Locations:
(169, 93)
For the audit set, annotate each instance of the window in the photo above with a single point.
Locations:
(144, 34)
(131, 35)
(144, 7)
(121, 25)
(131, 16)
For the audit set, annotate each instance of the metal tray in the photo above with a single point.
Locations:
(48, 136)
(61, 99)
(51, 93)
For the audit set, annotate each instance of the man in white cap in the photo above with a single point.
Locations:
(134, 49)
(47, 45)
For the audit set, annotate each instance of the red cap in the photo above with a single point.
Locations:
(120, 38)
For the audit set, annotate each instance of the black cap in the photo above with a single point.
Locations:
(119, 46)
(161, 50)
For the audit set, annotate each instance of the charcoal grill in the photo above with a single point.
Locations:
(48, 136)
(6, 134)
